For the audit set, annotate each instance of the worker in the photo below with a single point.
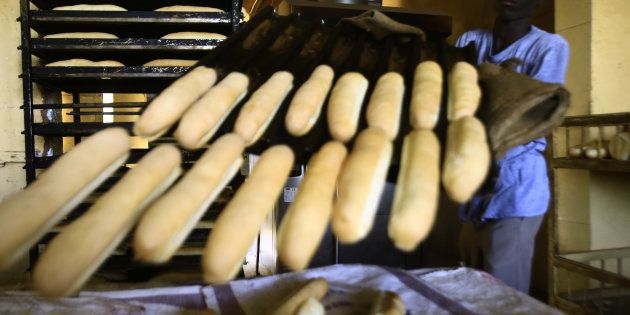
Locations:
(501, 223)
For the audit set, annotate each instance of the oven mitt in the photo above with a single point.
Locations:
(517, 109)
(380, 25)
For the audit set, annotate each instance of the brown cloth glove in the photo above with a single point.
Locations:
(380, 25)
(517, 109)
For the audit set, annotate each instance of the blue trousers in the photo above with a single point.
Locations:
(503, 248)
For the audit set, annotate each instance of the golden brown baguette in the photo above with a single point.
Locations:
(308, 101)
(360, 186)
(464, 93)
(344, 105)
(81, 247)
(239, 223)
(426, 95)
(387, 303)
(306, 219)
(201, 121)
(30, 213)
(383, 110)
(166, 109)
(417, 189)
(168, 221)
(259, 110)
(314, 288)
(466, 159)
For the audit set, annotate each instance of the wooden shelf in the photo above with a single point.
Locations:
(597, 120)
(605, 165)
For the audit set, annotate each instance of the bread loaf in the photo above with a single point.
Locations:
(387, 303)
(201, 121)
(30, 213)
(238, 224)
(84, 63)
(361, 183)
(344, 105)
(90, 7)
(311, 307)
(383, 110)
(81, 247)
(168, 221)
(193, 35)
(464, 93)
(81, 35)
(170, 63)
(187, 8)
(426, 95)
(314, 288)
(308, 101)
(417, 189)
(169, 106)
(466, 160)
(307, 218)
(259, 110)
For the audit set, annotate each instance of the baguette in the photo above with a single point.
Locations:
(258, 111)
(170, 63)
(466, 159)
(187, 8)
(383, 110)
(360, 186)
(314, 288)
(81, 35)
(344, 105)
(201, 121)
(82, 246)
(30, 213)
(387, 303)
(85, 63)
(464, 93)
(90, 7)
(168, 221)
(417, 189)
(426, 95)
(306, 220)
(193, 35)
(169, 106)
(238, 224)
(308, 101)
(311, 307)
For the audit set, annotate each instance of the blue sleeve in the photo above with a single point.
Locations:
(552, 64)
(463, 40)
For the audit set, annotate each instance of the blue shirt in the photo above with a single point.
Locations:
(522, 186)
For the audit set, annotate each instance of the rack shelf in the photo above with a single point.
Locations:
(129, 51)
(130, 24)
(134, 79)
(605, 165)
(597, 120)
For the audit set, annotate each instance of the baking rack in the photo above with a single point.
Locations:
(138, 30)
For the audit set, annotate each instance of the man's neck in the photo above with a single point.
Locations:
(507, 32)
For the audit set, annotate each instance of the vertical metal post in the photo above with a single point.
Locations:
(27, 88)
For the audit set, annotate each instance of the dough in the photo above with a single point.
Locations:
(90, 7)
(85, 63)
(81, 35)
(188, 8)
(194, 35)
(170, 63)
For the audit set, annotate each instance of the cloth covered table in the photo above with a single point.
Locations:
(352, 289)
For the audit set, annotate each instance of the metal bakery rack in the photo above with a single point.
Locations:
(138, 30)
(267, 43)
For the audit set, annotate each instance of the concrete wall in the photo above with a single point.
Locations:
(12, 176)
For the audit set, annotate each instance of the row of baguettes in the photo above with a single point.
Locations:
(357, 177)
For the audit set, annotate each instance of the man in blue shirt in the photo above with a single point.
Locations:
(499, 231)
